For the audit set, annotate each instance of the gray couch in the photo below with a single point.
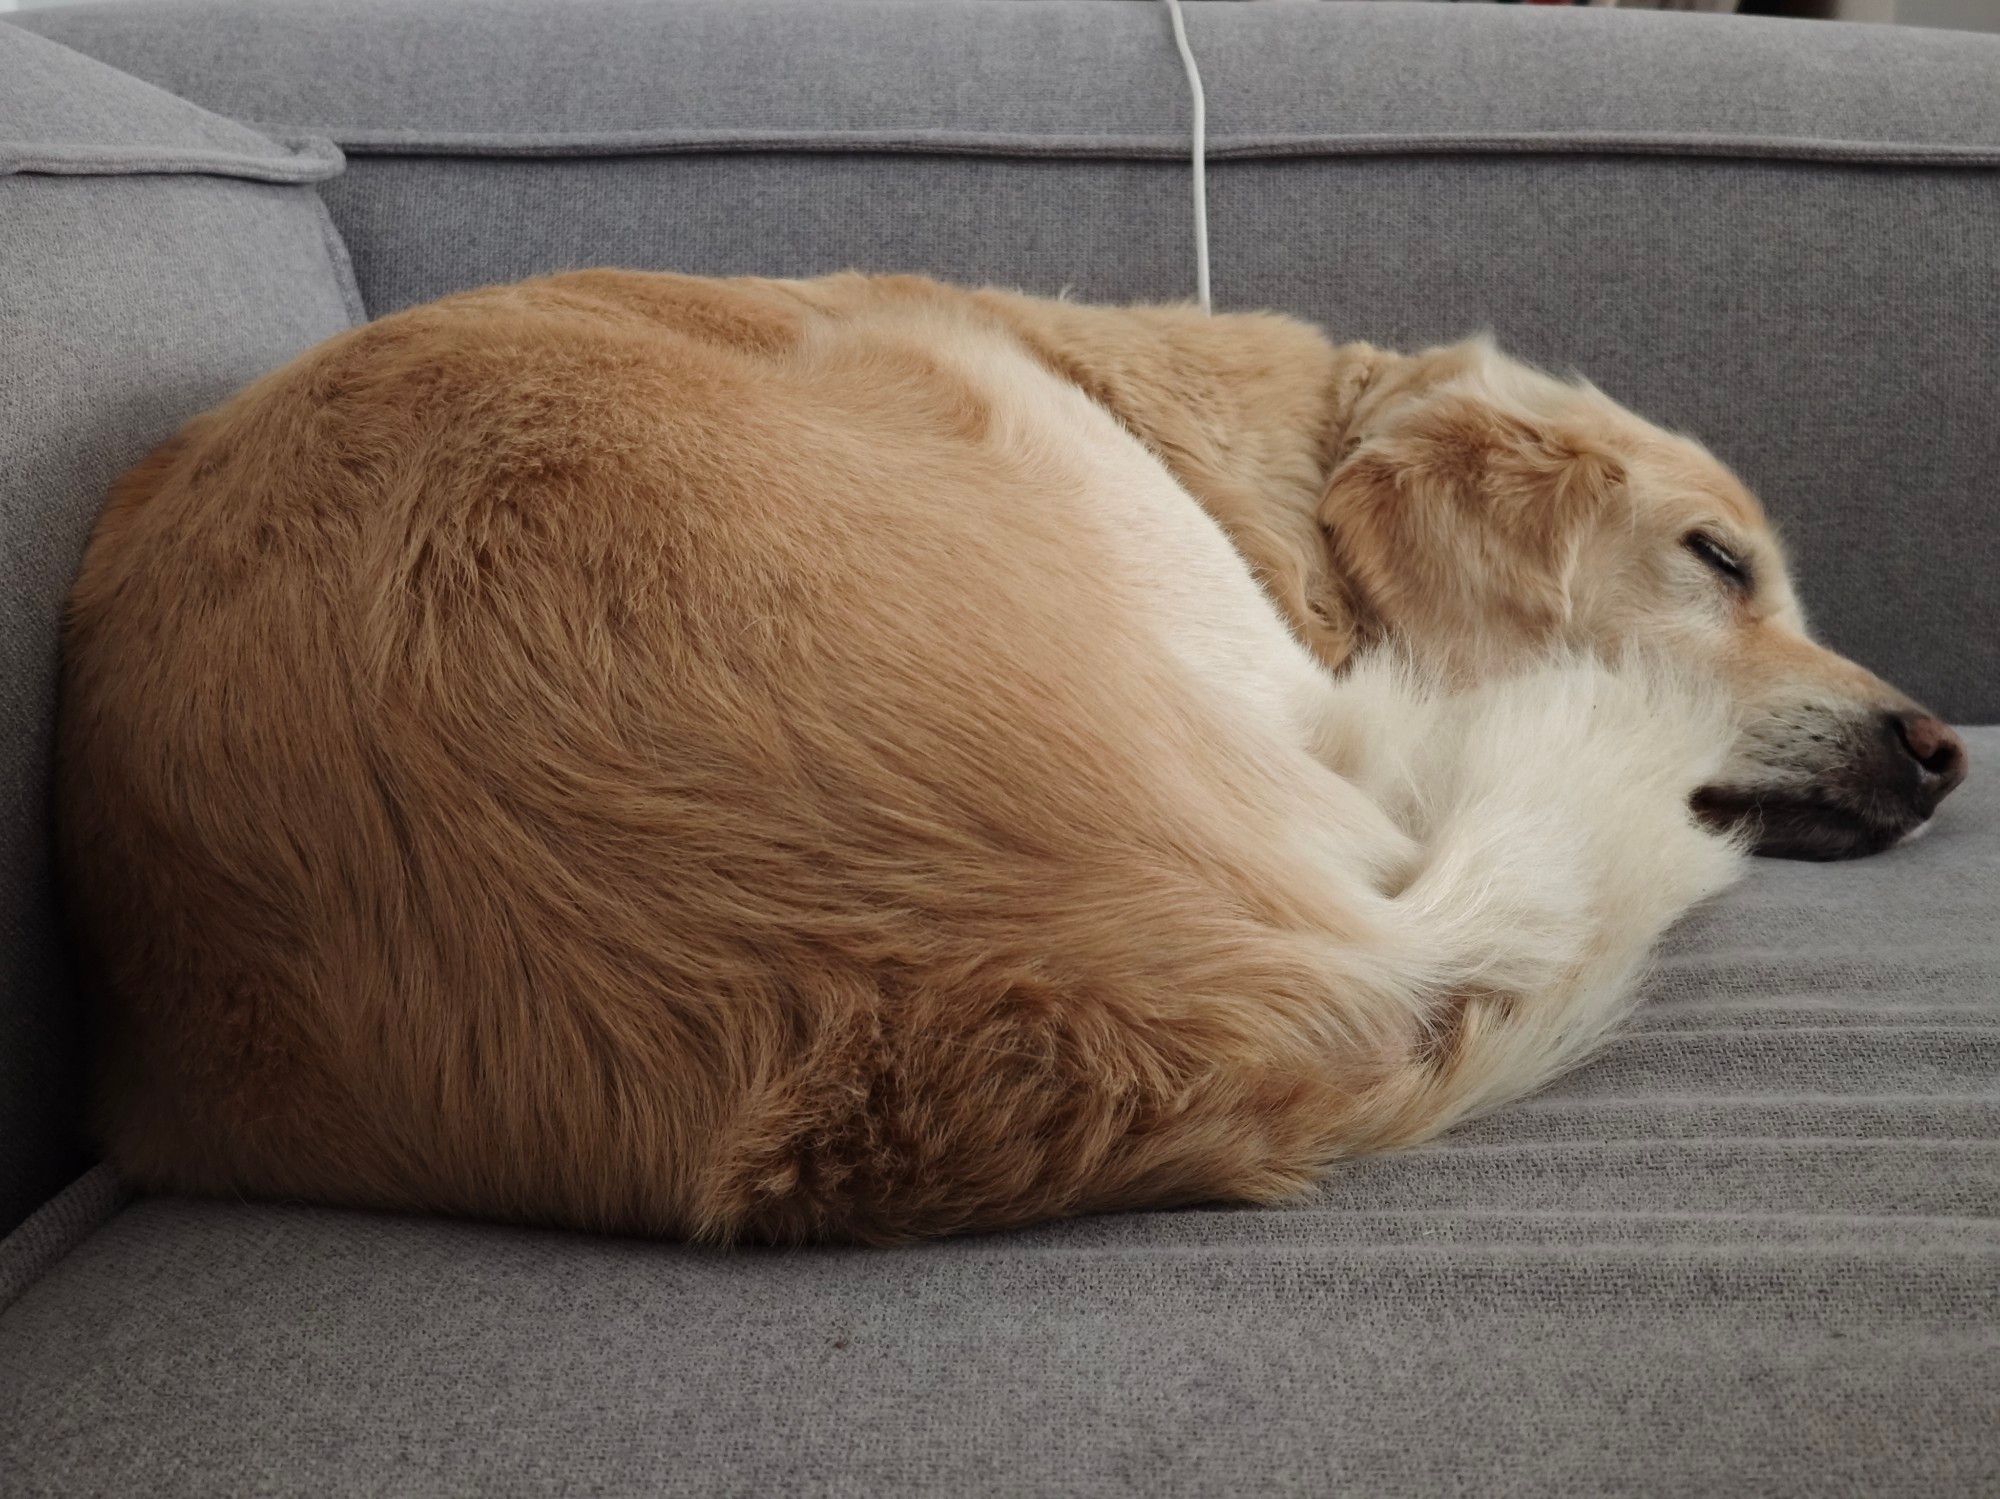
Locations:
(1753, 1248)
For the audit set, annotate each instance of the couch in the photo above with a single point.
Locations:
(1753, 1248)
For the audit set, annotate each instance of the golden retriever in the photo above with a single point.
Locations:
(858, 759)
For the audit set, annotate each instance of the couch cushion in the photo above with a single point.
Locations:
(614, 76)
(1780, 237)
(153, 257)
(1755, 1248)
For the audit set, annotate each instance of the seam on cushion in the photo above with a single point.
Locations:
(1153, 147)
(1654, 1035)
(1665, 1240)
(57, 1227)
(341, 262)
(1623, 143)
(1736, 1145)
(312, 159)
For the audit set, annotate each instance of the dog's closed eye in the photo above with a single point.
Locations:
(1719, 559)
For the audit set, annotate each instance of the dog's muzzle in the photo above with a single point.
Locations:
(1887, 776)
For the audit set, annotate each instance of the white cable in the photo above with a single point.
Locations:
(1199, 154)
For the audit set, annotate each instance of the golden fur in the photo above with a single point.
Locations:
(764, 760)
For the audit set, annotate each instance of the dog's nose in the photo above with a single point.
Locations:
(1939, 753)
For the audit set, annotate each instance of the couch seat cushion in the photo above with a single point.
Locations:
(1754, 1248)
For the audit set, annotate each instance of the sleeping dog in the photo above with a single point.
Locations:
(859, 759)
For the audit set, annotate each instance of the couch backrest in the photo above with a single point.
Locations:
(1779, 236)
(153, 257)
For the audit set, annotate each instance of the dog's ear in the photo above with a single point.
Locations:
(1469, 512)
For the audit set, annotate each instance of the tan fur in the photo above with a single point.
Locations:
(718, 759)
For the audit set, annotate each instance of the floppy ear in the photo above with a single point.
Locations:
(1468, 512)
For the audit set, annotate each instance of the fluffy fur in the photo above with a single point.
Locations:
(857, 759)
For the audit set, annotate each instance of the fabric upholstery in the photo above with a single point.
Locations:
(152, 258)
(1754, 1248)
(57, 1227)
(1778, 237)
(1045, 75)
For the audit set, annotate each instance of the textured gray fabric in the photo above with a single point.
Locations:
(53, 119)
(1103, 78)
(200, 1350)
(1830, 328)
(56, 1228)
(1755, 1248)
(128, 303)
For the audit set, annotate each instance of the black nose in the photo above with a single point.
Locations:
(1939, 753)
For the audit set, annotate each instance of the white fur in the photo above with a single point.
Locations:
(1557, 846)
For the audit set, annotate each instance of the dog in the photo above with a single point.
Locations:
(860, 759)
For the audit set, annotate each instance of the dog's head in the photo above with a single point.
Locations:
(1481, 511)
